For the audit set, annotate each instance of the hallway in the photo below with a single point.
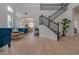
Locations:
(31, 45)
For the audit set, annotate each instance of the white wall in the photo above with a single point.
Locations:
(76, 19)
(76, 22)
(47, 33)
(3, 14)
(48, 13)
(68, 14)
(33, 11)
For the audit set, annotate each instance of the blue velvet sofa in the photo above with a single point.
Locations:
(5, 36)
(25, 30)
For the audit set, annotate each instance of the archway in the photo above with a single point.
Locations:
(27, 22)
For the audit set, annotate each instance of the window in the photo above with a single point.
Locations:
(9, 17)
(10, 9)
(10, 21)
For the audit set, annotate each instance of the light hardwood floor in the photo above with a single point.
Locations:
(31, 45)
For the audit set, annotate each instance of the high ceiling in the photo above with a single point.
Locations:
(53, 6)
(27, 8)
(24, 8)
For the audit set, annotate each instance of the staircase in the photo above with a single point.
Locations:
(49, 22)
(59, 12)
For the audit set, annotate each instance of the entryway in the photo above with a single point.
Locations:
(76, 20)
(27, 22)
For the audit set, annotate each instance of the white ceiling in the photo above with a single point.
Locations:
(22, 8)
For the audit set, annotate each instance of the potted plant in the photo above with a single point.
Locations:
(66, 24)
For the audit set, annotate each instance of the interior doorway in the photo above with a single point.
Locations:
(27, 22)
(76, 19)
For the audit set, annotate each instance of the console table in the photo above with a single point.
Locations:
(17, 35)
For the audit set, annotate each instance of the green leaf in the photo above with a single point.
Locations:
(66, 24)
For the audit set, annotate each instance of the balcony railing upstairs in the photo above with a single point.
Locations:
(50, 6)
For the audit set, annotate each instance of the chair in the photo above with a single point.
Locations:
(25, 30)
(36, 31)
(5, 37)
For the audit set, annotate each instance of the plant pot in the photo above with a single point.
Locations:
(63, 34)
